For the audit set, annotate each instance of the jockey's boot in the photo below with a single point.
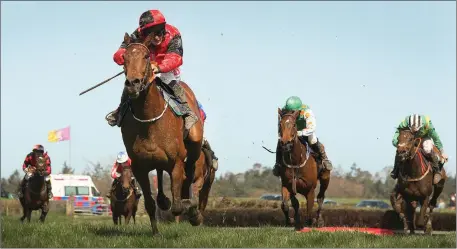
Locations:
(210, 154)
(435, 161)
(394, 173)
(319, 148)
(190, 118)
(20, 191)
(136, 189)
(49, 187)
(113, 117)
(277, 166)
(113, 187)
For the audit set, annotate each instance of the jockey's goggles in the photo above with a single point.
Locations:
(154, 30)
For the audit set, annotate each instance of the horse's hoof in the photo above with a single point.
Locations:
(163, 202)
(314, 222)
(196, 220)
(177, 208)
(428, 229)
(320, 222)
(291, 221)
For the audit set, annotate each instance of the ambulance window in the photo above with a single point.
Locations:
(70, 190)
(95, 192)
(83, 190)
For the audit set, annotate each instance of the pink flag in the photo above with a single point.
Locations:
(64, 133)
(59, 135)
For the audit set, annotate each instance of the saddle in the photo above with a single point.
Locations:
(169, 96)
(315, 155)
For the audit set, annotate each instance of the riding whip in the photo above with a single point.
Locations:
(101, 83)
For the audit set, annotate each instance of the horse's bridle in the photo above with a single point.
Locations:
(143, 85)
(288, 145)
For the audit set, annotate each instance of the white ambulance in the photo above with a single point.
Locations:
(86, 197)
(65, 185)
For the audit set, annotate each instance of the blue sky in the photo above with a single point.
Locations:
(242, 59)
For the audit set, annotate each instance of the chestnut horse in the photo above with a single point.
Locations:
(35, 192)
(153, 135)
(299, 172)
(123, 200)
(415, 183)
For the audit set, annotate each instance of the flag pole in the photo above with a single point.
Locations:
(69, 147)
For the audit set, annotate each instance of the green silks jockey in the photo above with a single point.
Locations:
(306, 126)
(422, 127)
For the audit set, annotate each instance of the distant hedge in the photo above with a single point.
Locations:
(254, 217)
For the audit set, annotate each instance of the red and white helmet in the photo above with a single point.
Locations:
(38, 147)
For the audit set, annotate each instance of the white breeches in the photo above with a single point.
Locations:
(427, 145)
(170, 76)
(312, 138)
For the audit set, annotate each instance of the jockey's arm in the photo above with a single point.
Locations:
(118, 55)
(434, 135)
(310, 123)
(173, 56)
(395, 138)
(48, 165)
(27, 162)
(114, 170)
(401, 126)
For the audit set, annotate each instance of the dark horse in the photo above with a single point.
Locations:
(415, 183)
(202, 182)
(123, 200)
(299, 172)
(153, 136)
(35, 192)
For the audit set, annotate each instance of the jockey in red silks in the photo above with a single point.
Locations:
(167, 50)
(122, 161)
(31, 162)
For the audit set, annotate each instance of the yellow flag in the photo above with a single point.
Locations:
(52, 136)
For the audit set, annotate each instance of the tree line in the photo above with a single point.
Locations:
(258, 180)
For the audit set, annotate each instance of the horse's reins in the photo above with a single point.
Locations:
(126, 198)
(422, 164)
(290, 154)
(146, 86)
(33, 192)
(294, 167)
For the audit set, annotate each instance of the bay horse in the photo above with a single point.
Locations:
(153, 135)
(299, 172)
(123, 200)
(35, 192)
(415, 183)
(202, 182)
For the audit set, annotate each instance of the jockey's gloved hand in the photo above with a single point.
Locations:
(303, 133)
(444, 155)
(155, 69)
(118, 57)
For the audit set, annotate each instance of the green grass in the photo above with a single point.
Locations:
(62, 231)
